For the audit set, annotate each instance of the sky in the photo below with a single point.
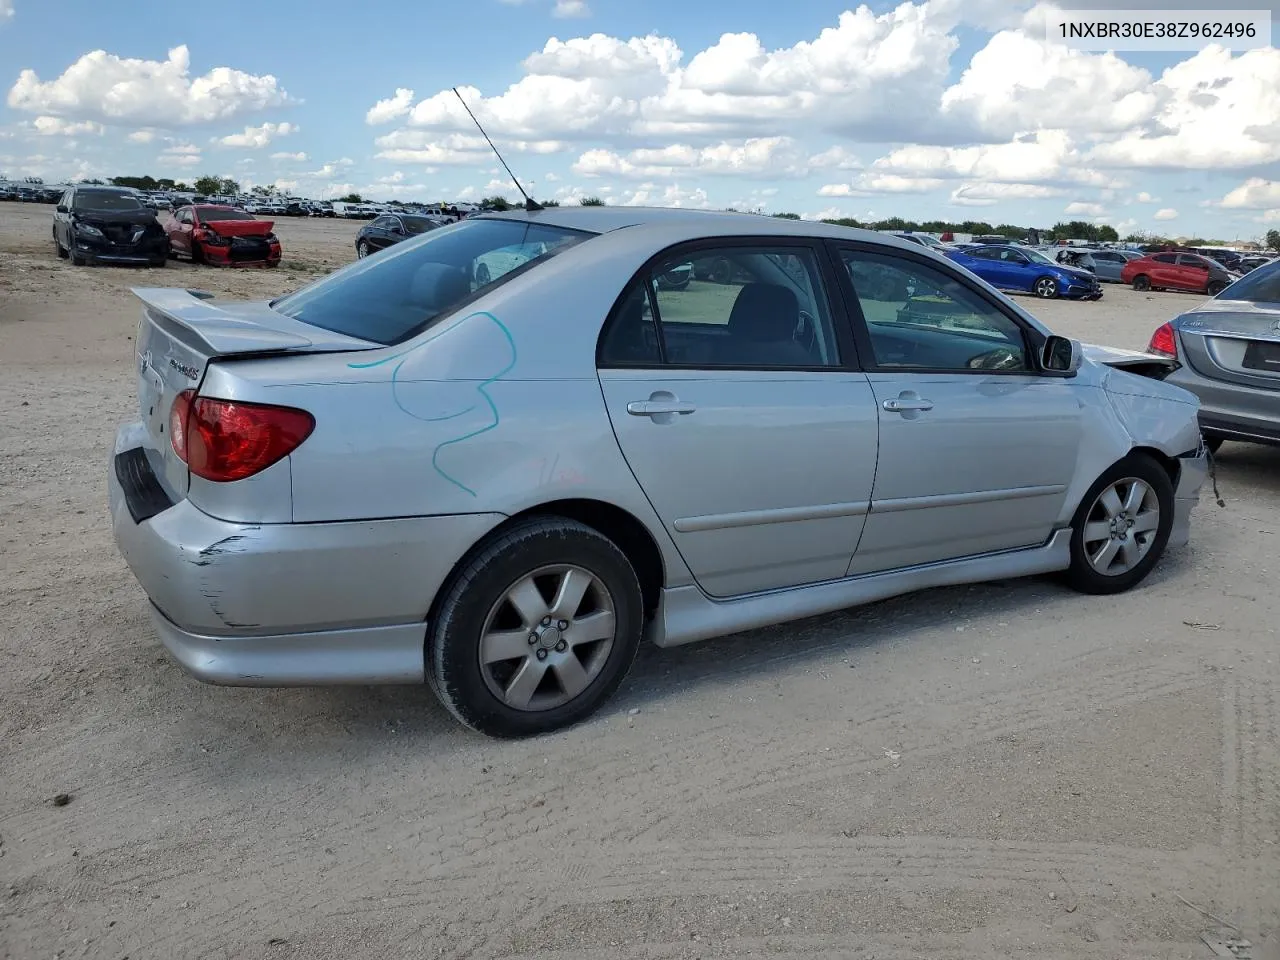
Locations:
(934, 109)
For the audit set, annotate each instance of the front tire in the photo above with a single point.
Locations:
(537, 630)
(1122, 527)
(57, 245)
(1142, 283)
(1216, 288)
(1046, 288)
(362, 249)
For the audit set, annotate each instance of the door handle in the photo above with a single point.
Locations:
(650, 408)
(904, 404)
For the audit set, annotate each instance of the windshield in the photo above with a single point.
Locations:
(1260, 286)
(398, 293)
(1037, 257)
(209, 215)
(93, 200)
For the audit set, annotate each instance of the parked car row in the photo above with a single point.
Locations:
(93, 224)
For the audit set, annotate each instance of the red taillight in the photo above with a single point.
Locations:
(224, 440)
(1164, 342)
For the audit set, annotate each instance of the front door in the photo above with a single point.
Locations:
(977, 447)
(1193, 272)
(737, 410)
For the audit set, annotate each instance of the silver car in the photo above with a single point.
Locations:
(1229, 351)
(500, 482)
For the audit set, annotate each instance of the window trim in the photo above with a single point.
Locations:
(1033, 340)
(846, 346)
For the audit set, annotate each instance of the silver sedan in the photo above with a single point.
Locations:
(498, 456)
(1229, 354)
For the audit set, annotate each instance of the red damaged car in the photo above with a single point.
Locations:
(225, 236)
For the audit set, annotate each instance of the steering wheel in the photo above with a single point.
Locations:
(1002, 358)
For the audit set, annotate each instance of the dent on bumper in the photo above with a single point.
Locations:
(217, 578)
(1192, 473)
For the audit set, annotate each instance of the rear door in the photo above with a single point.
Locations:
(180, 231)
(739, 409)
(1164, 271)
(977, 447)
(1193, 272)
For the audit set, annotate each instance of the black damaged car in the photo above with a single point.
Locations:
(104, 225)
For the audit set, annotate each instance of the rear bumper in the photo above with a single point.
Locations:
(1232, 411)
(286, 604)
(1192, 473)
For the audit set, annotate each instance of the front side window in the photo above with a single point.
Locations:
(744, 307)
(399, 293)
(919, 318)
(1165, 258)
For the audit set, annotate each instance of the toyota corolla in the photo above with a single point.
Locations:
(458, 463)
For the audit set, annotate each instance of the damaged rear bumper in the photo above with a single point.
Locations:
(287, 603)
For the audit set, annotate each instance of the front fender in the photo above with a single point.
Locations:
(1154, 413)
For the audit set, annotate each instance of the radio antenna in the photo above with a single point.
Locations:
(529, 202)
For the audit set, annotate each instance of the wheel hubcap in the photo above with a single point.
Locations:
(547, 638)
(1121, 526)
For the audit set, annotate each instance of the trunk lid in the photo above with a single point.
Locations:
(1234, 341)
(1134, 361)
(181, 332)
(239, 228)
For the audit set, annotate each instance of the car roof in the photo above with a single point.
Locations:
(684, 224)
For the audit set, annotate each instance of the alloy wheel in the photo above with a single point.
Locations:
(1046, 287)
(1121, 526)
(547, 637)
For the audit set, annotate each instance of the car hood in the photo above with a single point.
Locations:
(1077, 272)
(239, 228)
(113, 218)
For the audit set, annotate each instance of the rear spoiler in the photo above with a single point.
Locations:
(1134, 361)
(247, 328)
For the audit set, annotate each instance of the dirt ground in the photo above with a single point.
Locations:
(1005, 770)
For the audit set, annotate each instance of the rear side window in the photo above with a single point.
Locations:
(401, 291)
(1165, 258)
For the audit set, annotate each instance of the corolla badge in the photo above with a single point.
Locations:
(190, 372)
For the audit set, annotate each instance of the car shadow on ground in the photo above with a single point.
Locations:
(1245, 470)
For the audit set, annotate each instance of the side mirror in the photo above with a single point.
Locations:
(61, 208)
(1061, 355)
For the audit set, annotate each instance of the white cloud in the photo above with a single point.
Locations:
(757, 157)
(1082, 208)
(1047, 157)
(142, 136)
(110, 89)
(1166, 213)
(384, 111)
(1144, 197)
(550, 177)
(1216, 111)
(255, 138)
(867, 73)
(179, 154)
(1018, 82)
(837, 158)
(989, 194)
(1255, 193)
(658, 195)
(871, 183)
(568, 9)
(6, 10)
(455, 149)
(56, 126)
(299, 157)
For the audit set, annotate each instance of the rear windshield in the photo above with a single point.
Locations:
(398, 293)
(93, 200)
(209, 214)
(1260, 286)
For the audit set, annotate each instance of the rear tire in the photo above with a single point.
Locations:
(362, 250)
(1141, 282)
(57, 245)
(546, 683)
(1122, 526)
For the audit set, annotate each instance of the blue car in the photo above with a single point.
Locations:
(1023, 270)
